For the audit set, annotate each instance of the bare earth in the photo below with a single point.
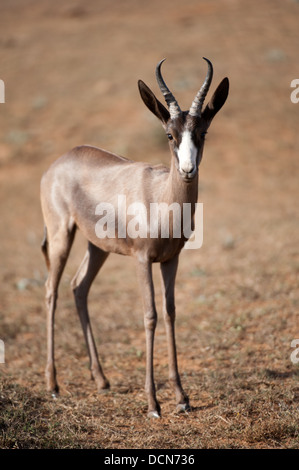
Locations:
(71, 70)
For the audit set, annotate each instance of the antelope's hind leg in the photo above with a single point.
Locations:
(92, 262)
(56, 247)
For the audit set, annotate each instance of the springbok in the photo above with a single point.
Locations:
(77, 182)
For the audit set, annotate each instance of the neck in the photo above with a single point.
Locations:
(178, 190)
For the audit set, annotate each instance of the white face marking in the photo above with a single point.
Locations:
(187, 153)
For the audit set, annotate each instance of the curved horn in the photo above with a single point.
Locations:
(197, 104)
(172, 103)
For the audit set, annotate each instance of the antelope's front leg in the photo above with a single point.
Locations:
(168, 272)
(150, 321)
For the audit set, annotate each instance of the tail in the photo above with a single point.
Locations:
(44, 247)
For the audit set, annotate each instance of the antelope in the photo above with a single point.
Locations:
(72, 188)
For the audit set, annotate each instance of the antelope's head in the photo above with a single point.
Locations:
(185, 130)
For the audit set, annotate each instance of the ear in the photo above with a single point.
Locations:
(217, 101)
(152, 103)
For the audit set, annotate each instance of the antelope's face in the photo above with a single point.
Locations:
(185, 130)
(186, 136)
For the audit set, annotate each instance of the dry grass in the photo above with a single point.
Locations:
(245, 411)
(243, 391)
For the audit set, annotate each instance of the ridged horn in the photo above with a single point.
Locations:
(197, 104)
(172, 103)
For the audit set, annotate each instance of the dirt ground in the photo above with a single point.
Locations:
(70, 71)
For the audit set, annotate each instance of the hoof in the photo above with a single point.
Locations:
(102, 390)
(183, 408)
(101, 382)
(53, 391)
(103, 386)
(153, 414)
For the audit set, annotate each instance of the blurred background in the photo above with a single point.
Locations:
(70, 71)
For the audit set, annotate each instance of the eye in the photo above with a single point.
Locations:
(169, 136)
(203, 134)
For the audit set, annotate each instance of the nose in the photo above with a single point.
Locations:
(188, 174)
(188, 171)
